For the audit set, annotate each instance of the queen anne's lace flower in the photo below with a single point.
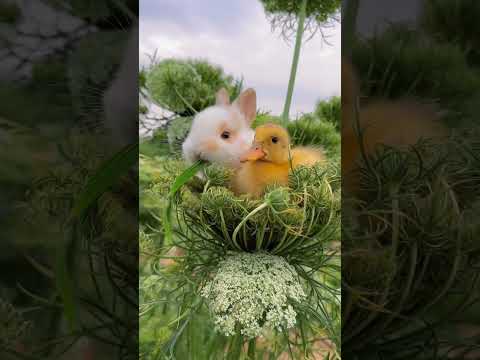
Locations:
(253, 293)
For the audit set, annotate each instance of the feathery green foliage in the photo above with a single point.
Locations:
(188, 86)
(319, 10)
(240, 223)
(330, 110)
(177, 132)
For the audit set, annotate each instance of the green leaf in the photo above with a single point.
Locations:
(187, 175)
(181, 180)
(106, 177)
(296, 57)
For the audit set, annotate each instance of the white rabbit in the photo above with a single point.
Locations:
(222, 133)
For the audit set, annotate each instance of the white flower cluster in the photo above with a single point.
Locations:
(253, 293)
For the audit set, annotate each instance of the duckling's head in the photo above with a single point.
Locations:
(271, 144)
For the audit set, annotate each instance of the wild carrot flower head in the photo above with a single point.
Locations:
(253, 293)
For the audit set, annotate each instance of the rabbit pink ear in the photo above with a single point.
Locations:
(247, 104)
(222, 97)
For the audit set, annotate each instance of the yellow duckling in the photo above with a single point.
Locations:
(270, 160)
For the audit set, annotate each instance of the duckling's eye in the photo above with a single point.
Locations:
(274, 139)
(225, 135)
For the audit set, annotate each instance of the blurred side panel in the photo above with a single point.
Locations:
(68, 179)
(410, 179)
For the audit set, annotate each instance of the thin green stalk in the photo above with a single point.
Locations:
(296, 56)
(235, 348)
(396, 313)
(281, 242)
(393, 253)
(224, 227)
(251, 349)
(260, 237)
(181, 180)
(457, 260)
(242, 223)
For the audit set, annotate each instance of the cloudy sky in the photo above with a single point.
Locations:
(237, 36)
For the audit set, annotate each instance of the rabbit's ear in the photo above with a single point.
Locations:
(222, 97)
(247, 104)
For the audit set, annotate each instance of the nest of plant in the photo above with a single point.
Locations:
(410, 246)
(299, 223)
(285, 221)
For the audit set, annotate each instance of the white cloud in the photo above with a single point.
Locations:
(262, 57)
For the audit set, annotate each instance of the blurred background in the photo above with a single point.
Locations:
(58, 60)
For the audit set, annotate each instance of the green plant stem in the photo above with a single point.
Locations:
(242, 223)
(181, 180)
(185, 101)
(251, 349)
(235, 348)
(392, 257)
(296, 56)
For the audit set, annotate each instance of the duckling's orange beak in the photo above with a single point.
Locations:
(254, 154)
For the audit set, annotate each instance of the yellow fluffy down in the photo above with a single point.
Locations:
(307, 156)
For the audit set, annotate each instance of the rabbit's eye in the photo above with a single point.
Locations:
(274, 139)
(226, 135)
